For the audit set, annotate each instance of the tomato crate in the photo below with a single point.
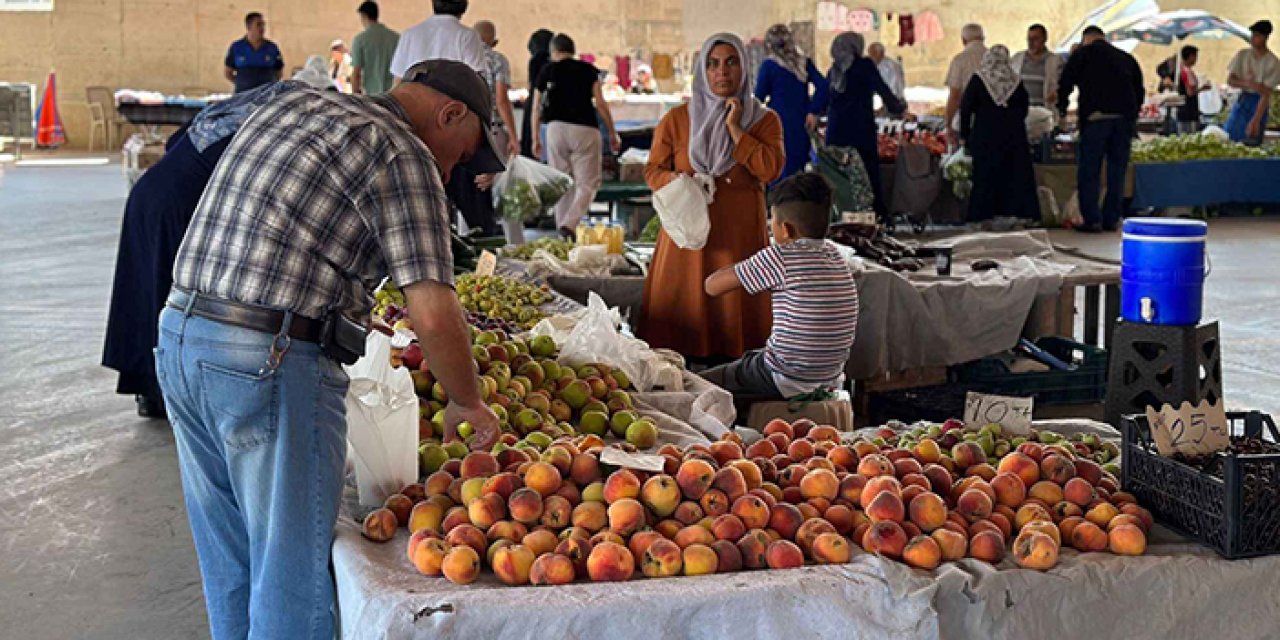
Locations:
(1085, 383)
(1229, 501)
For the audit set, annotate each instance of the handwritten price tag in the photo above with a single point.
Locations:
(1188, 430)
(1012, 414)
(486, 264)
(641, 461)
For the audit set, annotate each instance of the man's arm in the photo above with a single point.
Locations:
(953, 106)
(535, 121)
(230, 74)
(357, 80)
(1067, 83)
(508, 117)
(439, 322)
(602, 106)
(722, 281)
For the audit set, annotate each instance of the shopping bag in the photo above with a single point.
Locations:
(682, 207)
(957, 166)
(527, 188)
(595, 338)
(382, 423)
(917, 179)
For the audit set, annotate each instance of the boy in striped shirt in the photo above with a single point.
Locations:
(815, 301)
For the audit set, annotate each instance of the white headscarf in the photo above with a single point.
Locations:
(316, 74)
(845, 50)
(710, 146)
(781, 44)
(997, 74)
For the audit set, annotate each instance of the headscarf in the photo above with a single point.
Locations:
(845, 50)
(782, 48)
(997, 74)
(540, 42)
(315, 73)
(710, 146)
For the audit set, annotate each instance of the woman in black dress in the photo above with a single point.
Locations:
(993, 127)
(539, 57)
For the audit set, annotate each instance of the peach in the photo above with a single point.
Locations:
(752, 547)
(503, 484)
(526, 505)
(728, 556)
(763, 448)
(426, 515)
(1122, 497)
(974, 505)
(1022, 465)
(780, 442)
(512, 564)
(905, 466)
(731, 482)
(1065, 509)
(591, 516)
(752, 510)
(471, 489)
(778, 425)
(952, 546)
(928, 511)
(453, 468)
(1035, 550)
(840, 516)
(821, 433)
(1047, 491)
(910, 492)
(418, 538)
(922, 552)
(1030, 512)
(468, 535)
(843, 456)
(700, 559)
(864, 448)
(783, 554)
(1124, 519)
(750, 471)
(1057, 469)
(610, 562)
(428, 556)
(454, 517)
(724, 451)
(414, 491)
(875, 465)
(800, 450)
(984, 471)
(486, 510)
(551, 569)
(380, 525)
(668, 528)
(1141, 513)
(886, 538)
(479, 464)
(606, 536)
(1003, 523)
(917, 480)
(987, 546)
(877, 485)
(688, 512)
(400, 505)
(792, 475)
(576, 550)
(557, 512)
(437, 484)
(506, 530)
(786, 520)
(831, 548)
(584, 469)
(1010, 491)
(851, 487)
(1033, 450)
(693, 534)
(1127, 540)
(939, 478)
(1089, 470)
(729, 527)
(714, 503)
(660, 494)
(542, 477)
(461, 565)
(1078, 491)
(810, 530)
(626, 516)
(1086, 536)
(1048, 528)
(820, 483)
(967, 454)
(621, 484)
(662, 559)
(887, 505)
(769, 492)
(695, 477)
(927, 451)
(1101, 514)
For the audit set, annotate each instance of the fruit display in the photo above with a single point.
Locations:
(467, 249)
(550, 512)
(1195, 146)
(554, 246)
(887, 145)
(389, 303)
(503, 298)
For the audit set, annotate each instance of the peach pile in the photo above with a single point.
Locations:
(795, 496)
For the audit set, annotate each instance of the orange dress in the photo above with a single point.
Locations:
(677, 313)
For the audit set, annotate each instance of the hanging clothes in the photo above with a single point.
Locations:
(861, 21)
(663, 67)
(928, 27)
(622, 67)
(890, 30)
(907, 30)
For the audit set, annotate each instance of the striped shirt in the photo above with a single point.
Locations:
(815, 310)
(319, 196)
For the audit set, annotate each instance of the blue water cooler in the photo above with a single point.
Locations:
(1162, 271)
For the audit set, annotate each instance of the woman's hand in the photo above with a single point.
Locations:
(537, 146)
(734, 119)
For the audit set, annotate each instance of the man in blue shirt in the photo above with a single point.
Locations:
(253, 61)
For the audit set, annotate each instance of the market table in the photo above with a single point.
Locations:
(175, 113)
(1205, 182)
(612, 193)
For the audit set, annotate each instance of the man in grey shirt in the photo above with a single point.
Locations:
(1039, 68)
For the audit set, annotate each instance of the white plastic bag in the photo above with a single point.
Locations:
(957, 167)
(595, 338)
(382, 423)
(527, 188)
(1210, 99)
(682, 207)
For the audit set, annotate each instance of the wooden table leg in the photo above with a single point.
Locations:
(1066, 313)
(1091, 299)
(1111, 312)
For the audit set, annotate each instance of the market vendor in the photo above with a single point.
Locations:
(1256, 72)
(156, 216)
(727, 135)
(792, 86)
(253, 60)
(318, 198)
(815, 300)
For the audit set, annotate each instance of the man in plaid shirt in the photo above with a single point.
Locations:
(319, 196)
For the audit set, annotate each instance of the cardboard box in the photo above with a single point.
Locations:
(631, 172)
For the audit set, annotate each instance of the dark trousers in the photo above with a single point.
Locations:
(476, 206)
(1099, 140)
(746, 376)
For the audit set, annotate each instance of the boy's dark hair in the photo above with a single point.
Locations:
(1094, 30)
(1039, 27)
(1189, 50)
(453, 8)
(369, 9)
(804, 200)
(250, 17)
(563, 44)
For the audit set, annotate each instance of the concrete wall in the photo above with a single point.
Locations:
(169, 45)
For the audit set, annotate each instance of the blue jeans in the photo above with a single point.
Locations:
(262, 454)
(1110, 140)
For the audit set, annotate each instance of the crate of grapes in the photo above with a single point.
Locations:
(1229, 501)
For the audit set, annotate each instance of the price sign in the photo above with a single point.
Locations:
(641, 461)
(486, 264)
(1188, 430)
(1012, 414)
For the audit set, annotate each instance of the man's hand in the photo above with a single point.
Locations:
(811, 122)
(484, 425)
(381, 326)
(513, 146)
(537, 146)
(1251, 131)
(615, 142)
(485, 181)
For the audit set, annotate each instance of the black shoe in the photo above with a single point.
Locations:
(1089, 228)
(1111, 227)
(149, 407)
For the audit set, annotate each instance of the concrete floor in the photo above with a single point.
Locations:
(94, 535)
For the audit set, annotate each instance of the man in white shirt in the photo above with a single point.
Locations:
(1256, 72)
(440, 37)
(1039, 68)
(963, 66)
(890, 70)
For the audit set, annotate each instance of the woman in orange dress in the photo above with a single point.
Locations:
(723, 132)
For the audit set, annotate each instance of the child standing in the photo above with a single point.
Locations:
(815, 301)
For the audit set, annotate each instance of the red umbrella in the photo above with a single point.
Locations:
(48, 123)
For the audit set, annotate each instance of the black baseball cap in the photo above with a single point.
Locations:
(462, 83)
(1261, 26)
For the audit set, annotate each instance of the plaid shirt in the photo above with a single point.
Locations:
(317, 198)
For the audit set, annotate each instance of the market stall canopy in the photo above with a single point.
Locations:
(1111, 16)
(1164, 28)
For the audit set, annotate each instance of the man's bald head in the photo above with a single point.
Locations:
(451, 130)
(487, 31)
(971, 32)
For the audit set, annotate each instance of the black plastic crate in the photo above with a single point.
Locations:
(934, 404)
(1231, 505)
(1153, 364)
(1085, 384)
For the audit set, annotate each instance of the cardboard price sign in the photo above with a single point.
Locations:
(1190, 431)
(1012, 414)
(641, 461)
(486, 264)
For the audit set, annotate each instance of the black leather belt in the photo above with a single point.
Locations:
(244, 315)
